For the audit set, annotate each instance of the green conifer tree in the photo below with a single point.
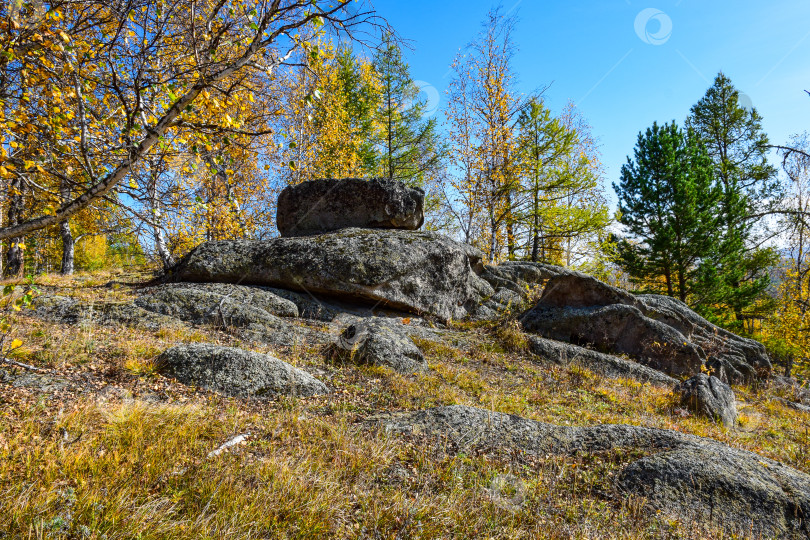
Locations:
(667, 200)
(738, 147)
(407, 143)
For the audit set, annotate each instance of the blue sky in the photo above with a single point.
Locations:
(621, 79)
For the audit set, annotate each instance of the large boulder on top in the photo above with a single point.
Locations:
(320, 206)
(657, 331)
(237, 372)
(417, 272)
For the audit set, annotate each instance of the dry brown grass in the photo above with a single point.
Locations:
(122, 452)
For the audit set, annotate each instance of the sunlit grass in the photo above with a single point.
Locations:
(78, 466)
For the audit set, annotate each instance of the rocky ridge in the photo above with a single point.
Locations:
(353, 289)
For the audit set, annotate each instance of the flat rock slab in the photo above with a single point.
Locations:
(732, 358)
(236, 372)
(255, 313)
(603, 364)
(418, 272)
(67, 310)
(321, 206)
(217, 303)
(618, 329)
(689, 477)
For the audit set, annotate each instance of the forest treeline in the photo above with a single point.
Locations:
(135, 130)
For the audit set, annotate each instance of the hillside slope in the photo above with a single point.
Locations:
(101, 445)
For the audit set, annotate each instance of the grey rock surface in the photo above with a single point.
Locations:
(577, 290)
(518, 276)
(512, 281)
(709, 397)
(658, 331)
(487, 312)
(731, 357)
(257, 313)
(737, 491)
(44, 383)
(685, 476)
(168, 305)
(320, 206)
(217, 303)
(416, 327)
(473, 428)
(419, 272)
(603, 364)
(373, 342)
(67, 310)
(237, 372)
(618, 329)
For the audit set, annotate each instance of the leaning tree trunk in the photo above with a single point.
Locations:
(161, 247)
(68, 243)
(14, 265)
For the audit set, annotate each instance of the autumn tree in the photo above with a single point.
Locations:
(544, 142)
(787, 329)
(463, 189)
(483, 110)
(560, 204)
(108, 83)
(328, 117)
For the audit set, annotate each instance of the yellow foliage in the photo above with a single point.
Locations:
(91, 252)
(787, 330)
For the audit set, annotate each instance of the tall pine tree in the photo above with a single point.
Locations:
(408, 144)
(667, 198)
(735, 140)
